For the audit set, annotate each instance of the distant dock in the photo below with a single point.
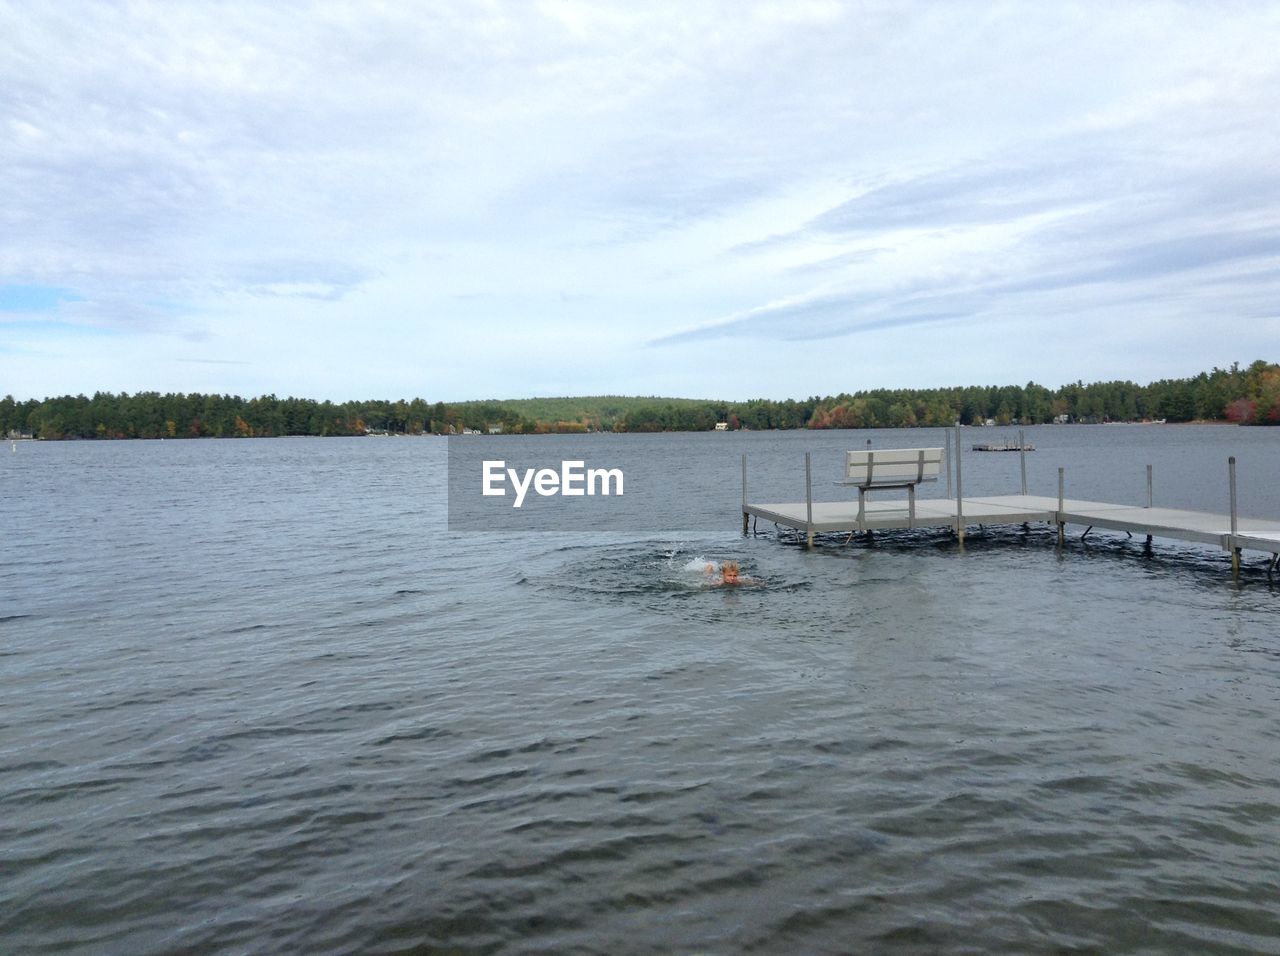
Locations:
(1230, 532)
(1003, 446)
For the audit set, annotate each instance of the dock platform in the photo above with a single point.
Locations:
(1195, 526)
(1230, 532)
(1003, 446)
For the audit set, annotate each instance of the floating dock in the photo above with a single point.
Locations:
(1230, 532)
(1003, 446)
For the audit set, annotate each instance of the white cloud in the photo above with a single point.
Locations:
(569, 181)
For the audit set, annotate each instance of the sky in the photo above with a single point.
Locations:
(715, 200)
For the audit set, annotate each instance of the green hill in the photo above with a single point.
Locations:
(602, 411)
(1244, 395)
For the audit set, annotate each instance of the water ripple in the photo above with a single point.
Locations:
(260, 718)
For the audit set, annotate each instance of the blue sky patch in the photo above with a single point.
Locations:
(54, 326)
(34, 298)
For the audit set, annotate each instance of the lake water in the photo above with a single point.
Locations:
(255, 696)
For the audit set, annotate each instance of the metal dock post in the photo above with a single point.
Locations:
(1231, 542)
(1062, 527)
(808, 500)
(1150, 497)
(959, 491)
(1022, 459)
(744, 494)
(946, 436)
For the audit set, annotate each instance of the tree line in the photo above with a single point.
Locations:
(1243, 395)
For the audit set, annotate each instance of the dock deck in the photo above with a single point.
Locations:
(1195, 526)
(1231, 532)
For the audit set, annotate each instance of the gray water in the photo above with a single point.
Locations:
(255, 697)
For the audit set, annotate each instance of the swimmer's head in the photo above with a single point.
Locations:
(730, 570)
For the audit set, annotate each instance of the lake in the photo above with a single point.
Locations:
(257, 696)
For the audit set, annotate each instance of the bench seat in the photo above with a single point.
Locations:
(886, 468)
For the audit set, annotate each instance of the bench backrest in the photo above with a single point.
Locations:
(892, 465)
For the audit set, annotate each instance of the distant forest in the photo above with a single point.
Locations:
(1248, 396)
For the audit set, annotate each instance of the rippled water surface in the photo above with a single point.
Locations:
(255, 697)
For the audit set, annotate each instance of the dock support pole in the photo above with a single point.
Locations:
(1022, 460)
(959, 491)
(946, 437)
(745, 516)
(1062, 526)
(808, 500)
(1235, 552)
(1150, 495)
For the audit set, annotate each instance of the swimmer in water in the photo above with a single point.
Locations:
(728, 573)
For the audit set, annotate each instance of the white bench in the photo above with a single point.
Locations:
(891, 468)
